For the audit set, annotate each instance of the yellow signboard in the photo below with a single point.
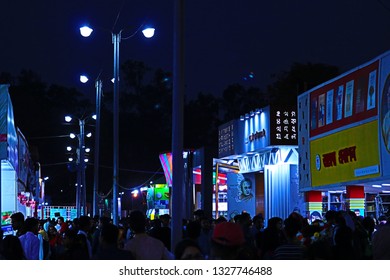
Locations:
(348, 155)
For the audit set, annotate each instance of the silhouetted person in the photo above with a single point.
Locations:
(12, 248)
(17, 222)
(84, 238)
(143, 246)
(109, 245)
(30, 241)
(71, 247)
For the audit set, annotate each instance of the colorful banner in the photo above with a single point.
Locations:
(348, 155)
(346, 100)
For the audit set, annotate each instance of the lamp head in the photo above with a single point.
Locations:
(85, 31)
(148, 32)
(83, 79)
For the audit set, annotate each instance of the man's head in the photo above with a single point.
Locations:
(109, 234)
(198, 214)
(246, 187)
(137, 221)
(85, 223)
(60, 220)
(32, 225)
(17, 220)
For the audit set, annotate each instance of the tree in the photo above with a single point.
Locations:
(300, 78)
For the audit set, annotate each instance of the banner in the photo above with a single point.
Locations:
(349, 155)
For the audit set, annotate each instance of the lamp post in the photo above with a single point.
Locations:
(116, 39)
(98, 87)
(81, 193)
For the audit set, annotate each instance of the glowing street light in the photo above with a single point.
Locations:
(148, 32)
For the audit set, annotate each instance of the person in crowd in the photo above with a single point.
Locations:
(44, 246)
(71, 247)
(55, 241)
(102, 220)
(108, 245)
(63, 226)
(257, 231)
(17, 222)
(204, 239)
(329, 226)
(381, 242)
(271, 238)
(227, 242)
(192, 230)
(30, 242)
(369, 225)
(143, 246)
(188, 249)
(343, 239)
(291, 249)
(220, 219)
(1, 244)
(84, 237)
(198, 214)
(75, 224)
(162, 230)
(12, 248)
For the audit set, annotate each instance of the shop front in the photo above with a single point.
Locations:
(343, 137)
(17, 175)
(263, 144)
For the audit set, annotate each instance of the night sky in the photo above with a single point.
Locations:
(225, 39)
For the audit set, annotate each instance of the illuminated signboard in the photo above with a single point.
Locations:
(284, 126)
(226, 135)
(347, 100)
(348, 155)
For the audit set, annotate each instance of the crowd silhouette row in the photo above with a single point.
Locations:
(340, 235)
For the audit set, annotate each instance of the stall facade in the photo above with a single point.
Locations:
(19, 189)
(263, 142)
(344, 141)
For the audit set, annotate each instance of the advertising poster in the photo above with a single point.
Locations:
(321, 112)
(348, 99)
(339, 103)
(241, 194)
(329, 106)
(361, 94)
(371, 96)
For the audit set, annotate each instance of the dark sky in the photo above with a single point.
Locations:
(225, 39)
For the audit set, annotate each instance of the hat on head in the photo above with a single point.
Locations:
(228, 234)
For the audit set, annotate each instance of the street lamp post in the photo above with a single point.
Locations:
(116, 39)
(83, 193)
(98, 85)
(81, 190)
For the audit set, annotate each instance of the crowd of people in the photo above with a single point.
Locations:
(340, 235)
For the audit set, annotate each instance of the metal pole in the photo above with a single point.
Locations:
(78, 187)
(178, 192)
(98, 85)
(82, 167)
(116, 38)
